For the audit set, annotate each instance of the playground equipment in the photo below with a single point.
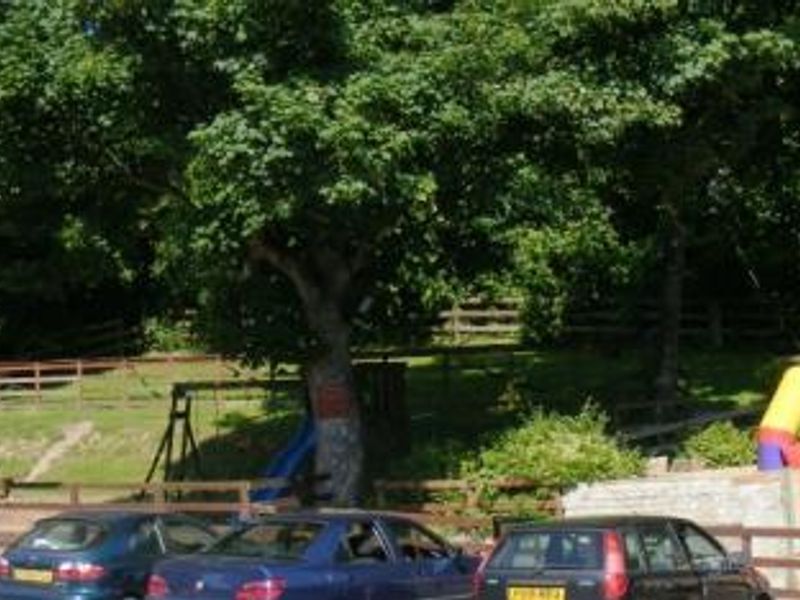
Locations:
(180, 420)
(778, 446)
(289, 462)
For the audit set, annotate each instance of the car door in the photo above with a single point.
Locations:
(145, 548)
(668, 574)
(439, 572)
(710, 562)
(367, 567)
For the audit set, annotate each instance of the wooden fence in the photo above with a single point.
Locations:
(714, 322)
(746, 537)
(468, 495)
(67, 379)
(162, 496)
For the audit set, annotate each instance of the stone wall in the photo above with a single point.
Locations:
(724, 497)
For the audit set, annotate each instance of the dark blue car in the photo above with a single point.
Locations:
(95, 555)
(320, 556)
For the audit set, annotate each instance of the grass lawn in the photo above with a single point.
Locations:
(456, 403)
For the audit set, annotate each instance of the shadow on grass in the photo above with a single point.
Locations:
(459, 405)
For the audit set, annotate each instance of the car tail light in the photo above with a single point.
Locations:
(157, 587)
(615, 578)
(78, 572)
(5, 568)
(268, 589)
(479, 577)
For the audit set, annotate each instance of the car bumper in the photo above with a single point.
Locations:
(14, 591)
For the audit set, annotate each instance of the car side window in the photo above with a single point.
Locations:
(416, 543)
(704, 553)
(633, 550)
(184, 537)
(361, 544)
(661, 549)
(145, 539)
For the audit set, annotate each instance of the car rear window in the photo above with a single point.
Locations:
(579, 550)
(277, 540)
(62, 535)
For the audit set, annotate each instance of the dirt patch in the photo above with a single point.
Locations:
(73, 434)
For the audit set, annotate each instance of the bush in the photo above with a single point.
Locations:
(559, 451)
(162, 335)
(721, 445)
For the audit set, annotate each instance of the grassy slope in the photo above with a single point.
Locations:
(457, 407)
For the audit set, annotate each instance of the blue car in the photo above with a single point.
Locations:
(95, 555)
(320, 556)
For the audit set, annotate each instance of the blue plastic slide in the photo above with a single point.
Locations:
(288, 462)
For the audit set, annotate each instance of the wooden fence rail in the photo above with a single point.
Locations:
(164, 496)
(747, 536)
(473, 494)
(69, 379)
(714, 321)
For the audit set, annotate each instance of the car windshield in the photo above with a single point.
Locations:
(542, 550)
(63, 535)
(276, 540)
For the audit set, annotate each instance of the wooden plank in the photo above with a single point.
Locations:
(174, 486)
(429, 485)
(656, 430)
(44, 380)
(202, 507)
(766, 562)
(444, 485)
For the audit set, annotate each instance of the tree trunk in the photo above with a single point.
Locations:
(667, 375)
(339, 455)
(322, 279)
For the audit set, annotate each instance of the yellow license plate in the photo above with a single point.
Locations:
(535, 593)
(33, 575)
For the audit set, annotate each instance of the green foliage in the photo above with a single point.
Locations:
(557, 450)
(434, 460)
(163, 335)
(721, 445)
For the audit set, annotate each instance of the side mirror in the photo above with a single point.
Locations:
(736, 561)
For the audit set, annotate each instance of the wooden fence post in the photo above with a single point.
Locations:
(160, 497)
(245, 508)
(747, 544)
(37, 380)
(455, 322)
(473, 493)
(218, 375)
(127, 374)
(75, 494)
(79, 381)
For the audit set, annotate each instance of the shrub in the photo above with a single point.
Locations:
(721, 445)
(559, 451)
(162, 335)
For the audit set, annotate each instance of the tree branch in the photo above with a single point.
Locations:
(262, 250)
(144, 183)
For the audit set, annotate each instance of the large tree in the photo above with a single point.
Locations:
(721, 78)
(315, 173)
(69, 217)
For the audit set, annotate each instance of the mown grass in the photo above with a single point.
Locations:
(456, 403)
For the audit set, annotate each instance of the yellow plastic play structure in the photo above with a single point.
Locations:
(778, 446)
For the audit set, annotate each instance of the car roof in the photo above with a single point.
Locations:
(596, 522)
(331, 515)
(106, 517)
